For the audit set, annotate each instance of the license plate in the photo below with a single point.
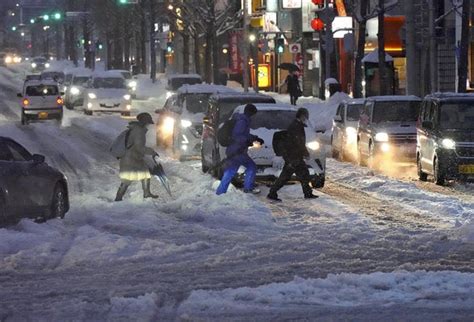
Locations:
(43, 115)
(466, 168)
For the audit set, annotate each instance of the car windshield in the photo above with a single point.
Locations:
(272, 120)
(126, 75)
(457, 116)
(53, 75)
(80, 80)
(109, 83)
(42, 90)
(39, 60)
(393, 111)
(33, 77)
(353, 111)
(177, 82)
(197, 103)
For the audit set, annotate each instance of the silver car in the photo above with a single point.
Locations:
(344, 129)
(29, 187)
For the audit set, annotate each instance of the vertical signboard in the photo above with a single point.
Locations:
(307, 10)
(235, 58)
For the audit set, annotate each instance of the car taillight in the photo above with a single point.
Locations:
(26, 102)
(60, 101)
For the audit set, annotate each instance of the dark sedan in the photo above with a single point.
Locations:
(29, 187)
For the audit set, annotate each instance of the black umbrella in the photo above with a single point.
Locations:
(159, 173)
(289, 66)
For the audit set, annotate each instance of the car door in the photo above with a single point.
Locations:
(429, 146)
(33, 179)
(422, 132)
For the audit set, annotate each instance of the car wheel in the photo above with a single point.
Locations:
(69, 106)
(3, 212)
(59, 202)
(421, 175)
(439, 176)
(126, 114)
(87, 112)
(335, 154)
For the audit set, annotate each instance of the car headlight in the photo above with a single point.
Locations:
(381, 137)
(92, 96)
(47, 65)
(169, 94)
(351, 134)
(75, 91)
(132, 84)
(8, 59)
(17, 59)
(127, 97)
(448, 144)
(34, 65)
(168, 125)
(314, 145)
(186, 123)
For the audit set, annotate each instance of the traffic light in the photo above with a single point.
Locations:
(32, 20)
(98, 45)
(46, 17)
(14, 28)
(169, 47)
(280, 45)
(57, 16)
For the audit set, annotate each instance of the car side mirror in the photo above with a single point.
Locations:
(38, 158)
(206, 120)
(427, 125)
(19, 95)
(338, 119)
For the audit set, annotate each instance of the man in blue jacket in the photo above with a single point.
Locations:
(237, 153)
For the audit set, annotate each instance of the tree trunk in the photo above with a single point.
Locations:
(143, 40)
(464, 47)
(360, 51)
(152, 41)
(413, 60)
(381, 45)
(208, 56)
(197, 57)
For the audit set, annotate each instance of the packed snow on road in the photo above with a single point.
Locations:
(371, 247)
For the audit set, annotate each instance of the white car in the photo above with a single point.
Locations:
(131, 82)
(344, 129)
(272, 118)
(179, 125)
(41, 100)
(107, 92)
(74, 92)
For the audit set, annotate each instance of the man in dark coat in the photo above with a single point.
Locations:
(132, 164)
(293, 85)
(296, 152)
(237, 153)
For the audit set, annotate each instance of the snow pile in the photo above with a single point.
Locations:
(322, 114)
(142, 308)
(421, 289)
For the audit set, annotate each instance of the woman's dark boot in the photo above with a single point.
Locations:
(121, 191)
(146, 189)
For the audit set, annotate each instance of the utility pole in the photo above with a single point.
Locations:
(413, 67)
(433, 48)
(245, 46)
(381, 48)
(464, 46)
(152, 41)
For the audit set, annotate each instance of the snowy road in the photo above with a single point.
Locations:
(140, 260)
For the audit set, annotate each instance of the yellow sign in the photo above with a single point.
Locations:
(257, 22)
(466, 168)
(263, 76)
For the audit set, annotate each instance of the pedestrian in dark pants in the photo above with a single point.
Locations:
(294, 156)
(132, 165)
(293, 85)
(237, 153)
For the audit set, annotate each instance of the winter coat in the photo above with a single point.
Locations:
(241, 137)
(296, 145)
(132, 164)
(293, 85)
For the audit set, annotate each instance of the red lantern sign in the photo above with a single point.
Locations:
(317, 24)
(318, 2)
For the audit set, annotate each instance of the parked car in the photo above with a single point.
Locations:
(179, 125)
(129, 79)
(219, 109)
(344, 129)
(108, 93)
(41, 100)
(74, 94)
(39, 64)
(269, 119)
(177, 80)
(445, 146)
(387, 130)
(29, 187)
(57, 76)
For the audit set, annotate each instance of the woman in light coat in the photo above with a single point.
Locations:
(132, 164)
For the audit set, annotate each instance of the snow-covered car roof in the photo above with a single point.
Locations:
(451, 96)
(79, 71)
(355, 101)
(205, 89)
(258, 98)
(184, 76)
(396, 98)
(268, 107)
